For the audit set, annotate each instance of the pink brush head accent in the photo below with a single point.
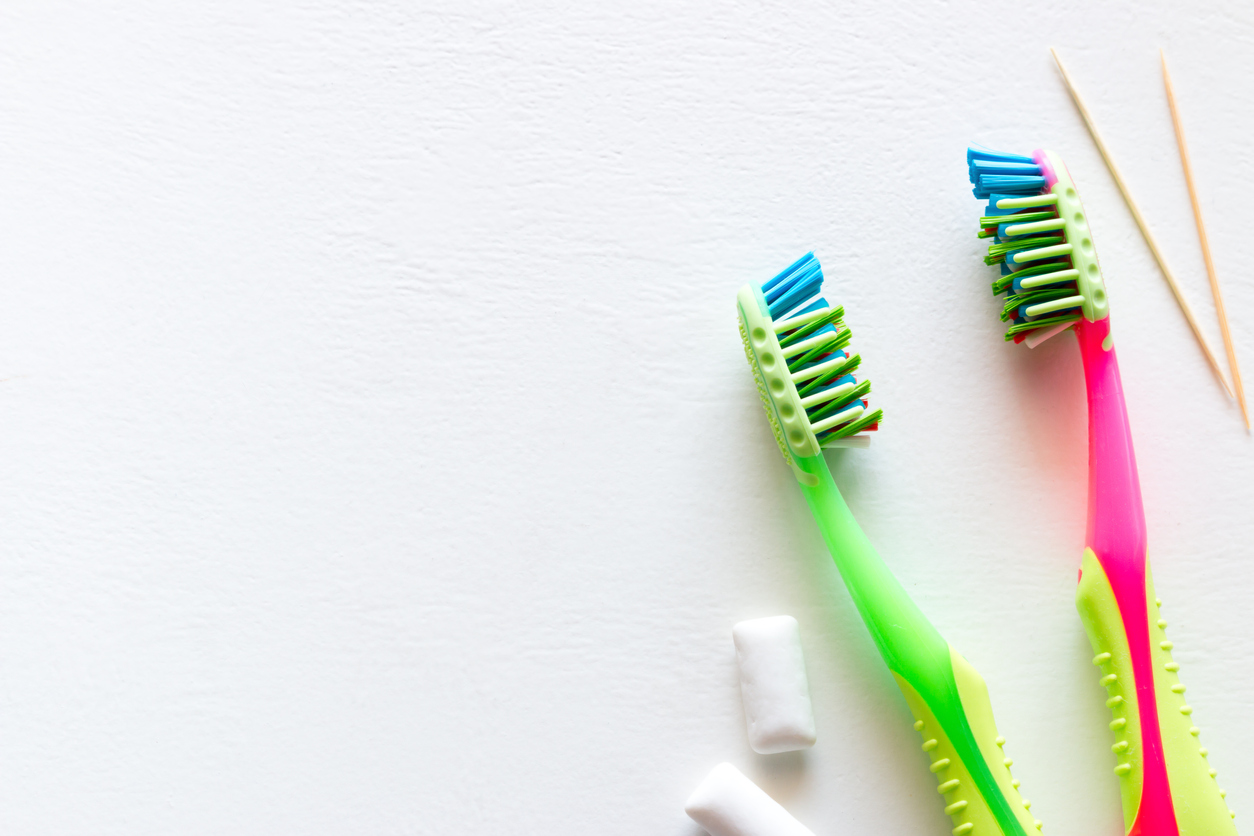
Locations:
(1047, 168)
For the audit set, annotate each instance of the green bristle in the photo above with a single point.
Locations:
(1003, 283)
(848, 367)
(1037, 269)
(833, 318)
(839, 404)
(1024, 327)
(1034, 297)
(1045, 294)
(852, 428)
(835, 342)
(997, 252)
(827, 377)
(1020, 218)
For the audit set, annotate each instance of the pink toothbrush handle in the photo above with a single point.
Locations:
(1167, 787)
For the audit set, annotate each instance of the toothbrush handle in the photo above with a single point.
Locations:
(1166, 785)
(948, 698)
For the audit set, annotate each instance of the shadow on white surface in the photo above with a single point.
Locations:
(783, 775)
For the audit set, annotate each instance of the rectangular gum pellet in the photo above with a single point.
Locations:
(773, 684)
(727, 803)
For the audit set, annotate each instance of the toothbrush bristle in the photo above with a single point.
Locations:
(1029, 244)
(814, 341)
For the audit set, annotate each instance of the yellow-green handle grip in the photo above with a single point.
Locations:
(1156, 740)
(948, 698)
(970, 809)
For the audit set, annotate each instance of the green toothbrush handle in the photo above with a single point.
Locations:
(947, 696)
(964, 778)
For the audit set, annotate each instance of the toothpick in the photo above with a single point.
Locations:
(1140, 222)
(1201, 234)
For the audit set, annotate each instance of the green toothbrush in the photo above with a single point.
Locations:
(796, 344)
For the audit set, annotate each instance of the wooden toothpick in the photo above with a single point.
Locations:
(1233, 368)
(1140, 222)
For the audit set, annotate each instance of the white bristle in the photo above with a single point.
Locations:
(805, 345)
(828, 395)
(1054, 305)
(1037, 337)
(1035, 226)
(1049, 278)
(783, 323)
(853, 413)
(861, 441)
(814, 371)
(1053, 251)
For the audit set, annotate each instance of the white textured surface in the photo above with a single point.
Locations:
(380, 456)
(774, 691)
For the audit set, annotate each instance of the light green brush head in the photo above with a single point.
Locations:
(1041, 243)
(798, 348)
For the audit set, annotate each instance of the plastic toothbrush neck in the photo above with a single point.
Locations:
(1116, 526)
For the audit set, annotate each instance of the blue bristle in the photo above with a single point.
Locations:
(840, 381)
(800, 276)
(792, 292)
(982, 154)
(982, 167)
(818, 303)
(1010, 261)
(1008, 184)
(1015, 267)
(831, 355)
(992, 210)
(1017, 183)
(1007, 175)
(787, 271)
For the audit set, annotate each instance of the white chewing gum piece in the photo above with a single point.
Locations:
(773, 684)
(727, 803)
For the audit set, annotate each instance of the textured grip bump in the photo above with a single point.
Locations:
(1197, 804)
(968, 809)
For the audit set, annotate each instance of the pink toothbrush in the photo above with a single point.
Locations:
(1053, 283)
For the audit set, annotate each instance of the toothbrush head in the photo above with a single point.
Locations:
(798, 348)
(1042, 243)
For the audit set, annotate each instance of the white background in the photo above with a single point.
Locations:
(379, 454)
